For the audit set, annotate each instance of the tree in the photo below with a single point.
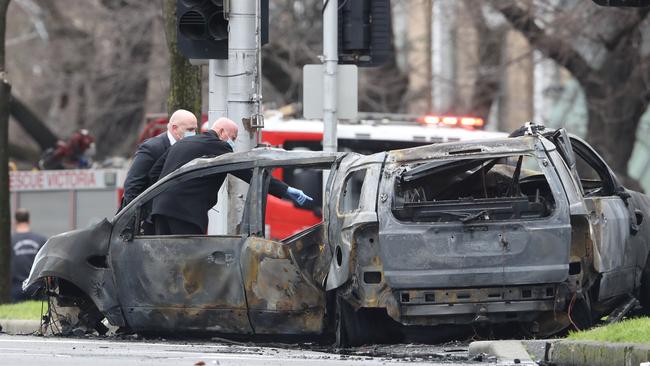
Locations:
(5, 212)
(489, 61)
(93, 68)
(184, 79)
(603, 49)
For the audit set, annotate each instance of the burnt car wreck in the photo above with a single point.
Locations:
(533, 229)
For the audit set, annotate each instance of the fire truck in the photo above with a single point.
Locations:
(369, 134)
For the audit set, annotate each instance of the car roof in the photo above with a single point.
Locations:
(459, 149)
(265, 156)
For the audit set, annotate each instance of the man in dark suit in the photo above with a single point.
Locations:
(181, 124)
(183, 208)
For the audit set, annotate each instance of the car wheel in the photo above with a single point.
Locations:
(644, 290)
(73, 314)
(351, 326)
(581, 314)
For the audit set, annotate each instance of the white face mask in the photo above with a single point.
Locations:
(188, 134)
(231, 143)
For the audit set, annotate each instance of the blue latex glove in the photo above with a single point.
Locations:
(297, 195)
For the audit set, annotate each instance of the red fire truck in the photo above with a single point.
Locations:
(371, 133)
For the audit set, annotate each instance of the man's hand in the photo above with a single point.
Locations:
(297, 195)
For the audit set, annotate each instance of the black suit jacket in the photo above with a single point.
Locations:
(137, 179)
(190, 201)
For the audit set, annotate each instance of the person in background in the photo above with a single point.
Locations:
(181, 124)
(24, 246)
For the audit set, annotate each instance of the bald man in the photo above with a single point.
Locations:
(183, 208)
(181, 124)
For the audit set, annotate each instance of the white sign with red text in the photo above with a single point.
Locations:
(63, 179)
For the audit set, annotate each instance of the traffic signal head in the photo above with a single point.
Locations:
(203, 27)
(364, 32)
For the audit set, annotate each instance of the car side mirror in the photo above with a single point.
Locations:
(127, 234)
(636, 221)
(624, 195)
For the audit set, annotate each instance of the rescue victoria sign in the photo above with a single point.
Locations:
(62, 179)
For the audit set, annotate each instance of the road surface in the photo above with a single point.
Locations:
(53, 351)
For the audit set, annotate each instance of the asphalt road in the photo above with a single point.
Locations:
(32, 350)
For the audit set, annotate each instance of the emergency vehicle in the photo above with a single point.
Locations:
(371, 133)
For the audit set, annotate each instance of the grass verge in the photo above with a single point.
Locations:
(635, 330)
(28, 310)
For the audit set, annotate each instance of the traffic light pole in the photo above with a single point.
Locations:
(218, 107)
(243, 97)
(330, 60)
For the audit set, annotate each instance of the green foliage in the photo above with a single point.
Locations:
(629, 331)
(28, 310)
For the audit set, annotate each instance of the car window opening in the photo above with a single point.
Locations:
(350, 196)
(471, 190)
(184, 188)
(284, 218)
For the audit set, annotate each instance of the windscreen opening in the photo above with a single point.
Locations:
(471, 190)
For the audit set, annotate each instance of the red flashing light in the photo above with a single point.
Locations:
(452, 121)
(431, 120)
(471, 122)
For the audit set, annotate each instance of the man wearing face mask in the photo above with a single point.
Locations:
(183, 208)
(181, 124)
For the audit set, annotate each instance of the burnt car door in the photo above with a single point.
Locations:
(611, 222)
(284, 279)
(178, 282)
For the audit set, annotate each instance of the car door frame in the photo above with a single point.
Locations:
(284, 280)
(611, 225)
(342, 225)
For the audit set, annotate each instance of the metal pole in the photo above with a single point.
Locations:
(218, 107)
(330, 63)
(242, 93)
(217, 90)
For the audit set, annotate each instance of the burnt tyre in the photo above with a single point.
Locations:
(352, 327)
(364, 326)
(580, 311)
(644, 290)
(71, 312)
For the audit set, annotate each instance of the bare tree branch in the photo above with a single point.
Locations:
(630, 26)
(554, 48)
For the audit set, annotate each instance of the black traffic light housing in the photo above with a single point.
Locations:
(623, 3)
(364, 32)
(202, 27)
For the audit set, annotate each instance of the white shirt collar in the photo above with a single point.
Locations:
(171, 138)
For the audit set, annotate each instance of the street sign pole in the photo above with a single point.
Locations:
(330, 62)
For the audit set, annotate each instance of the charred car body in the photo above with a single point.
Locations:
(534, 229)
